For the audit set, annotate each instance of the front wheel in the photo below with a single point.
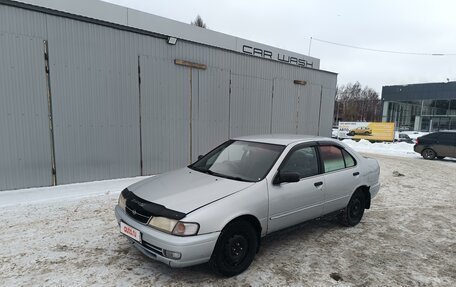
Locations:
(428, 154)
(352, 214)
(235, 249)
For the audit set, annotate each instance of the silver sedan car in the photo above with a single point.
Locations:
(217, 209)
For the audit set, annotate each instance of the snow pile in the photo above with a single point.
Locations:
(67, 192)
(401, 149)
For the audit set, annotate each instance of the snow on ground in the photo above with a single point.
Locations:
(65, 192)
(68, 236)
(399, 149)
(402, 149)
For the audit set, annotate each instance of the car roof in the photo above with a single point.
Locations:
(281, 139)
(440, 132)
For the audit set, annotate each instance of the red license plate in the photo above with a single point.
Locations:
(130, 231)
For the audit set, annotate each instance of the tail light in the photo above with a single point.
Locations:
(418, 141)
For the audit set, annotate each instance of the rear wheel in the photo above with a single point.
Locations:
(428, 154)
(352, 214)
(235, 248)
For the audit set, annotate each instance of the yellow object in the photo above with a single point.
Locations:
(379, 132)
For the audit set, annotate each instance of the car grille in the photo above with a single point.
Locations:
(143, 218)
(135, 208)
(142, 210)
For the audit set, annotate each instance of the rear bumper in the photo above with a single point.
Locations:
(418, 148)
(374, 189)
(193, 249)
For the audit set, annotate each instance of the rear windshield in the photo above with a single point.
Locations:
(431, 136)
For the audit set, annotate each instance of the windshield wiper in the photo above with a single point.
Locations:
(208, 171)
(234, 177)
(197, 168)
(227, 176)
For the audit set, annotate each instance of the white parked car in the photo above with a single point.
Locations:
(217, 209)
(335, 132)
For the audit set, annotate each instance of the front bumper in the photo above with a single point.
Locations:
(194, 249)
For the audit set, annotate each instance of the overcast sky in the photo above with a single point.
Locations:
(395, 25)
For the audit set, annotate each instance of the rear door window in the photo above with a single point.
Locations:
(447, 138)
(349, 160)
(335, 158)
(431, 136)
(332, 158)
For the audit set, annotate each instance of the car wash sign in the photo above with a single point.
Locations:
(279, 55)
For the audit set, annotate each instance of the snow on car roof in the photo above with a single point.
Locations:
(280, 139)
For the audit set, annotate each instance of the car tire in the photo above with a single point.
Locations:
(428, 153)
(352, 214)
(440, 157)
(235, 249)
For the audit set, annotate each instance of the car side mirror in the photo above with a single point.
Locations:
(200, 156)
(286, 177)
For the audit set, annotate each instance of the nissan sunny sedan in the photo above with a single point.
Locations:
(217, 209)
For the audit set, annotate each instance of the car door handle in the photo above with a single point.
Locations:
(317, 184)
(355, 173)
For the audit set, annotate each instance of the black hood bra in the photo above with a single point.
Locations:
(142, 210)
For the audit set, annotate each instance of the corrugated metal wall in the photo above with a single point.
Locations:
(122, 107)
(211, 114)
(250, 105)
(326, 110)
(25, 153)
(309, 109)
(165, 114)
(285, 106)
(95, 101)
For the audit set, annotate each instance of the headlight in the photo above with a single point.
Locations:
(163, 223)
(173, 226)
(122, 201)
(186, 228)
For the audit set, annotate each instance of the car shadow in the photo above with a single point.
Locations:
(318, 225)
(202, 274)
(276, 240)
(446, 159)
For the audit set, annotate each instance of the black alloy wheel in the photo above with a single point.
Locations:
(352, 214)
(235, 249)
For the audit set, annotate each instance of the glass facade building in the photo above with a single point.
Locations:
(420, 107)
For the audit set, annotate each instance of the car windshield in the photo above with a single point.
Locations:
(240, 160)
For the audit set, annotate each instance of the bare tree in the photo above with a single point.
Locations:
(357, 103)
(198, 22)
